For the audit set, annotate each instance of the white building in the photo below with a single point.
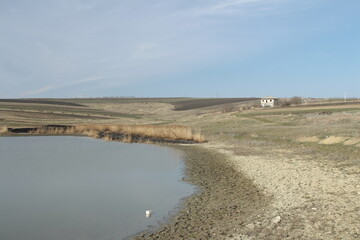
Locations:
(269, 102)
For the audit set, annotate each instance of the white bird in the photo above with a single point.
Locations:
(148, 213)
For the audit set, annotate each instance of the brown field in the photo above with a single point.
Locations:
(191, 104)
(40, 101)
(302, 163)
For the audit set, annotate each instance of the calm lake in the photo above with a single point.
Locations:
(83, 188)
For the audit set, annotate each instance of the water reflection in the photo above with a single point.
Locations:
(83, 188)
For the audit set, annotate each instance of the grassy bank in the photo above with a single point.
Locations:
(124, 133)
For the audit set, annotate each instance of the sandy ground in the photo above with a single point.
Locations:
(311, 200)
(264, 197)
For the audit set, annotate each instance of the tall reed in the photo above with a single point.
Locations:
(3, 129)
(172, 132)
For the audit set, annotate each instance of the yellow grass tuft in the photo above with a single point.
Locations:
(333, 140)
(3, 129)
(198, 137)
(91, 133)
(107, 138)
(352, 141)
(53, 131)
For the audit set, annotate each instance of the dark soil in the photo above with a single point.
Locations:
(40, 101)
(23, 114)
(201, 103)
(21, 130)
(30, 130)
(226, 202)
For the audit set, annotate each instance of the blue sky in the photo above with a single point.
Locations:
(176, 48)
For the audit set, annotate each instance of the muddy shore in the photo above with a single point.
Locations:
(224, 204)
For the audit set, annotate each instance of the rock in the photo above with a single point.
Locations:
(276, 220)
(250, 226)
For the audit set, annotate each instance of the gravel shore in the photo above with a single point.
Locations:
(311, 198)
(263, 197)
(224, 204)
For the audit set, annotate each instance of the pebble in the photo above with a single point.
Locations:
(276, 220)
(250, 226)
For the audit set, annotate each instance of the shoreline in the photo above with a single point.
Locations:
(274, 196)
(225, 202)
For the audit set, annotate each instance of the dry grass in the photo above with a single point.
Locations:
(352, 141)
(53, 131)
(174, 132)
(340, 117)
(3, 129)
(312, 139)
(333, 140)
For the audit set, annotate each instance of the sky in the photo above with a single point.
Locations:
(179, 48)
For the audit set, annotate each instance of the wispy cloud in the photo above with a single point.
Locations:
(84, 80)
(247, 7)
(53, 87)
(132, 42)
(41, 90)
(227, 7)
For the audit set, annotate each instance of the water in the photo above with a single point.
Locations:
(83, 188)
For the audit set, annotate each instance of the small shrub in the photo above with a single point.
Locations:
(295, 100)
(229, 109)
(284, 103)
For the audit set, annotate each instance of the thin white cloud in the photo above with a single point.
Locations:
(129, 41)
(53, 87)
(40, 90)
(84, 80)
(228, 7)
(246, 7)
